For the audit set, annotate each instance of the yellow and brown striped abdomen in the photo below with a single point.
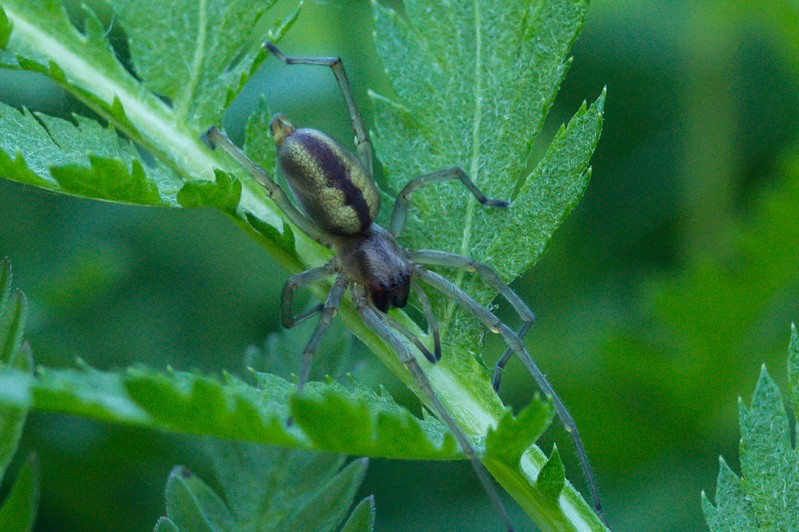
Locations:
(328, 181)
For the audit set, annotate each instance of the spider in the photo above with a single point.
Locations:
(338, 204)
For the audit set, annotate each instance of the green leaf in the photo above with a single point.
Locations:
(131, 186)
(235, 410)
(165, 524)
(258, 143)
(264, 488)
(366, 421)
(733, 510)
(224, 192)
(190, 61)
(260, 147)
(475, 83)
(13, 312)
(81, 158)
(284, 241)
(18, 510)
(15, 356)
(767, 497)
(551, 191)
(191, 52)
(5, 29)
(326, 508)
(192, 505)
(768, 461)
(551, 478)
(362, 518)
(515, 435)
(14, 414)
(793, 368)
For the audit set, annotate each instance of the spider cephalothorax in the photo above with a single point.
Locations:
(374, 259)
(338, 204)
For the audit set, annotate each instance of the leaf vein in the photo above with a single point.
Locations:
(195, 70)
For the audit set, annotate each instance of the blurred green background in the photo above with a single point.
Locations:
(670, 284)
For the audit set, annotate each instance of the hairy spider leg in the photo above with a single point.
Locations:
(326, 313)
(363, 146)
(490, 277)
(499, 367)
(294, 283)
(376, 321)
(325, 318)
(400, 212)
(432, 323)
(493, 324)
(410, 336)
(219, 139)
(328, 309)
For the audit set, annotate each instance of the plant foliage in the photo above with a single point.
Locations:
(474, 84)
(18, 510)
(766, 496)
(477, 99)
(254, 493)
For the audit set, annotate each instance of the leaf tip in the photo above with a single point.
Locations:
(552, 477)
(280, 29)
(6, 27)
(599, 104)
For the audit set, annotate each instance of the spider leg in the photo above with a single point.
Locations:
(432, 323)
(294, 283)
(400, 212)
(362, 144)
(409, 335)
(499, 367)
(376, 322)
(490, 276)
(219, 139)
(329, 310)
(490, 321)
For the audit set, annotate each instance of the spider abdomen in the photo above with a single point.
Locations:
(327, 180)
